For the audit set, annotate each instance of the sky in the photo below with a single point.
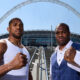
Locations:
(41, 15)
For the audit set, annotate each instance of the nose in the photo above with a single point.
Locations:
(60, 34)
(18, 26)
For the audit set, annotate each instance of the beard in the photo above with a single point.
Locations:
(63, 42)
(17, 37)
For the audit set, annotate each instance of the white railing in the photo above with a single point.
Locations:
(41, 65)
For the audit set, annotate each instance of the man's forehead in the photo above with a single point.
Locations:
(16, 21)
(61, 28)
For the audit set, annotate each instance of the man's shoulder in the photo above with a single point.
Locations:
(26, 49)
(3, 40)
(55, 51)
(3, 46)
(76, 45)
(53, 55)
(3, 43)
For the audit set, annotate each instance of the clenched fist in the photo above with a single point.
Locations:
(70, 54)
(19, 61)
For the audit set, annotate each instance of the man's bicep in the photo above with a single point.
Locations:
(3, 48)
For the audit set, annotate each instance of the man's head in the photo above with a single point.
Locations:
(15, 28)
(62, 34)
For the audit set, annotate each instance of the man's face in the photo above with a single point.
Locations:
(16, 29)
(62, 35)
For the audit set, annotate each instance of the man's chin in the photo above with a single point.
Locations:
(61, 43)
(17, 36)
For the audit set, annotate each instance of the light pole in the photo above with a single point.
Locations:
(51, 38)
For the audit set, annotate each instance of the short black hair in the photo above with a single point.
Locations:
(15, 19)
(64, 24)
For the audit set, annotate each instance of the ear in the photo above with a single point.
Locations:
(8, 29)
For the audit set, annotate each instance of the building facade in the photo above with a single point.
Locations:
(41, 38)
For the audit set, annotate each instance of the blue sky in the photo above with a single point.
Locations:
(41, 15)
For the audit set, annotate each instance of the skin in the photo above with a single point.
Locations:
(62, 36)
(70, 55)
(15, 30)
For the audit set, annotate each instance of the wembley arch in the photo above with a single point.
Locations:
(35, 1)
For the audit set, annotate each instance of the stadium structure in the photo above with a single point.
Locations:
(41, 38)
(41, 44)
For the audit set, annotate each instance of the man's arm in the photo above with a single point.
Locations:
(30, 75)
(18, 62)
(3, 48)
(3, 68)
(70, 56)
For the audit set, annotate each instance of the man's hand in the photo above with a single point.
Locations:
(70, 54)
(18, 62)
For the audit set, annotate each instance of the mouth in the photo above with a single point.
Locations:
(18, 31)
(61, 39)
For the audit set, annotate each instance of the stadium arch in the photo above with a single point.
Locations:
(34, 1)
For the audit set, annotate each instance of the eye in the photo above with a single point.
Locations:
(56, 33)
(14, 24)
(64, 32)
(21, 25)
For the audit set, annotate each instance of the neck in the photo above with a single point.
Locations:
(15, 41)
(61, 47)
